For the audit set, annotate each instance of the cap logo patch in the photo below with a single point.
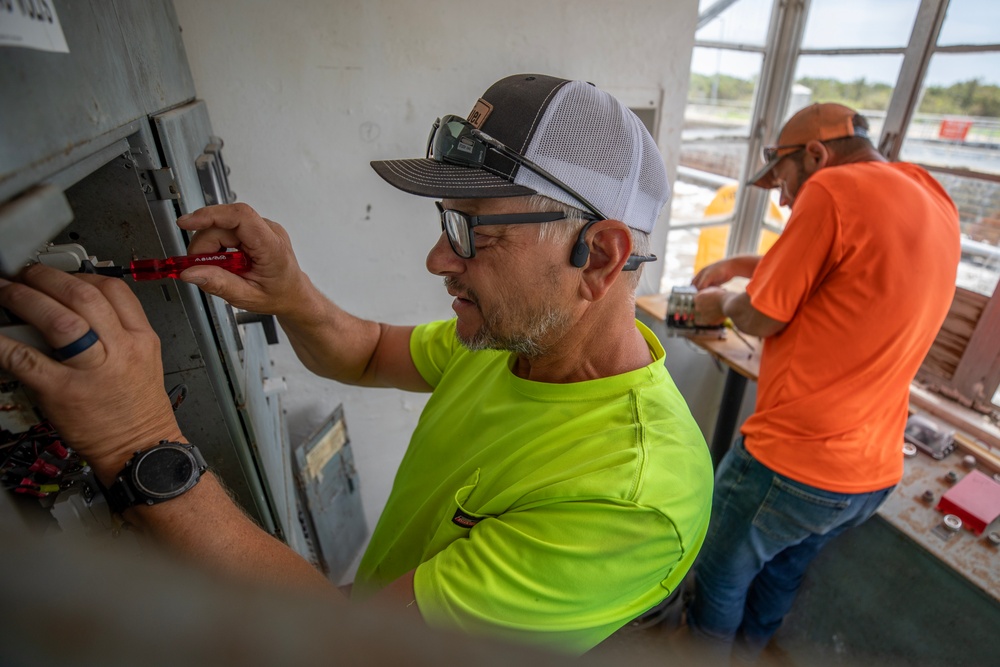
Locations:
(480, 113)
(464, 520)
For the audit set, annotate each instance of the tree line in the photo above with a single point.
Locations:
(966, 98)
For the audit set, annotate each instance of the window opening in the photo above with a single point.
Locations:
(925, 73)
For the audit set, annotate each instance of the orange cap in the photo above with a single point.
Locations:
(820, 122)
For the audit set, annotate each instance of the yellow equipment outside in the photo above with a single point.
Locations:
(712, 240)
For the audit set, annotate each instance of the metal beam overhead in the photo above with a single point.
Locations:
(706, 16)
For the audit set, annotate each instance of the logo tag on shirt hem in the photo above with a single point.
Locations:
(464, 520)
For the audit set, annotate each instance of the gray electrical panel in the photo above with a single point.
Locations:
(101, 149)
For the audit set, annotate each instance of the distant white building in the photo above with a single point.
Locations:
(801, 97)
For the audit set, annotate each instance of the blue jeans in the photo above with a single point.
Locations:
(765, 530)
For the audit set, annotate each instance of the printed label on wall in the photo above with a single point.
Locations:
(31, 24)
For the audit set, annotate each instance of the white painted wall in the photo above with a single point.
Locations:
(306, 93)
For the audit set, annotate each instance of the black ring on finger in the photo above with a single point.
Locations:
(76, 347)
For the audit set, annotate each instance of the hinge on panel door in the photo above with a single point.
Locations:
(158, 184)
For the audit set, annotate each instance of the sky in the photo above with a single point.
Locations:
(857, 24)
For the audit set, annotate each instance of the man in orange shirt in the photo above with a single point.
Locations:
(848, 301)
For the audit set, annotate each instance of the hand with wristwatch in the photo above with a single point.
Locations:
(102, 390)
(102, 387)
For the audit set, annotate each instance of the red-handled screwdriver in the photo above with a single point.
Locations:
(235, 261)
(171, 267)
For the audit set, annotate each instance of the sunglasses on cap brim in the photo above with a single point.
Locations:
(454, 140)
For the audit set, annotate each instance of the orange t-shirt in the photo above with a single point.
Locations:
(863, 274)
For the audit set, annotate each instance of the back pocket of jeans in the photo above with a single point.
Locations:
(791, 513)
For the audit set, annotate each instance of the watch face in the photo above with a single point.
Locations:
(165, 472)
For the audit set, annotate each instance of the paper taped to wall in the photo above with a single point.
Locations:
(32, 24)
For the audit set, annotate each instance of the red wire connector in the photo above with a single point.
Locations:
(29, 487)
(44, 468)
(57, 450)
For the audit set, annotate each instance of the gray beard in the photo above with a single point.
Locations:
(526, 342)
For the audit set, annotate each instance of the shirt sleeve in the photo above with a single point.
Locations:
(432, 346)
(552, 574)
(805, 253)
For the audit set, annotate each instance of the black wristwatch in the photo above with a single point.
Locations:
(154, 475)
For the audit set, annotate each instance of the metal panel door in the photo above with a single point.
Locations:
(194, 157)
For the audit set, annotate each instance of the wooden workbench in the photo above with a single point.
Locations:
(740, 355)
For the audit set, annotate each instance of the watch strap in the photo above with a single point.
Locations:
(119, 494)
